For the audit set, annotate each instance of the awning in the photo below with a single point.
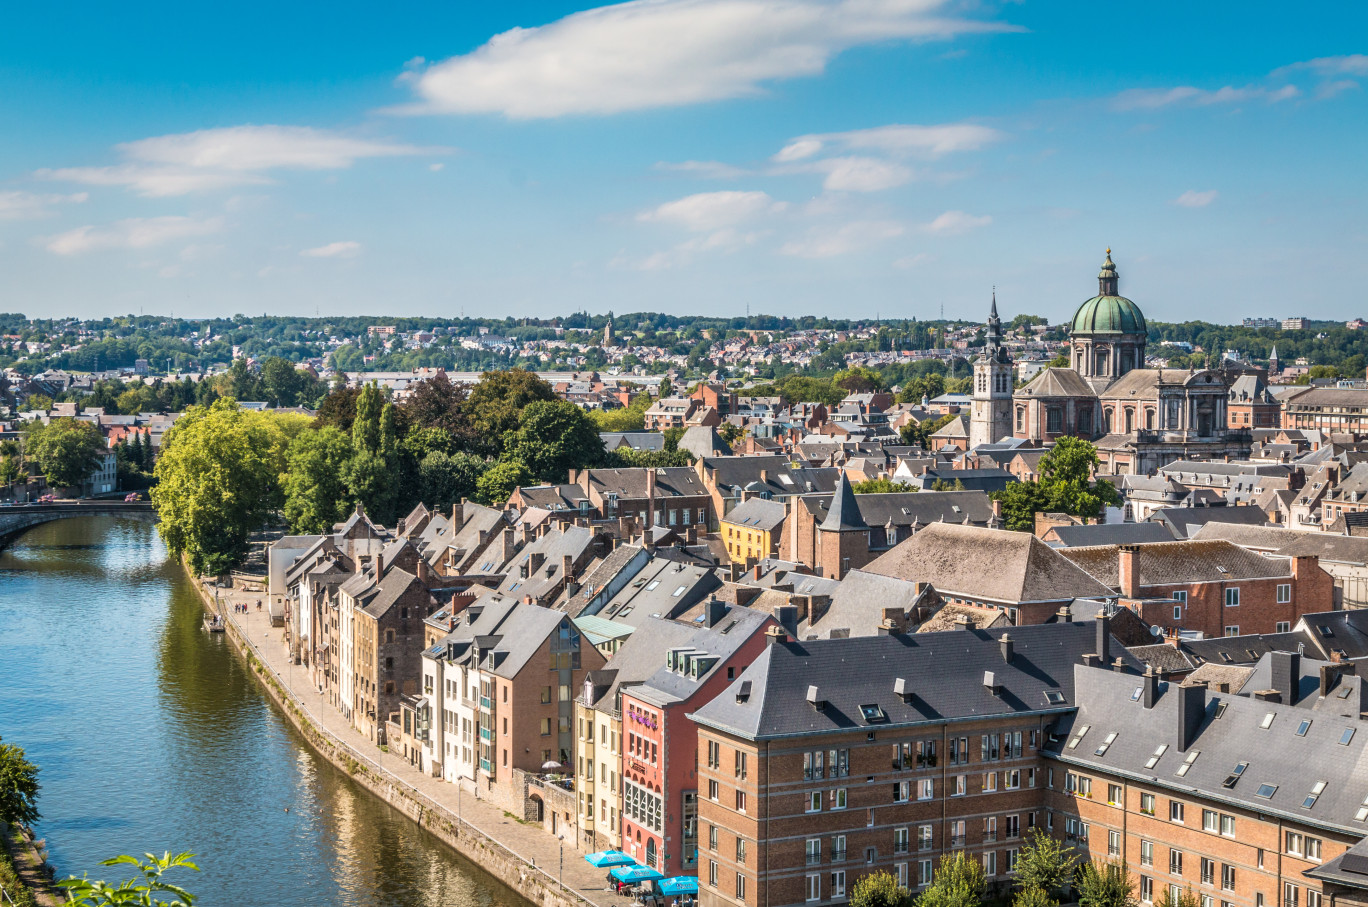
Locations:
(679, 885)
(606, 858)
(635, 873)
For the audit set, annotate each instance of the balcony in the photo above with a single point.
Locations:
(814, 859)
(486, 703)
(956, 841)
(838, 856)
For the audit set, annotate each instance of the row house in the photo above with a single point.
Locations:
(731, 480)
(812, 774)
(1329, 409)
(1213, 587)
(1244, 800)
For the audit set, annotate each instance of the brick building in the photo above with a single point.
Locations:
(1215, 587)
(812, 774)
(1330, 409)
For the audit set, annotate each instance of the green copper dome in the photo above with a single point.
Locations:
(1108, 312)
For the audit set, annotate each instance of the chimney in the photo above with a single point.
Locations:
(1065, 614)
(567, 566)
(458, 515)
(650, 497)
(787, 615)
(1268, 695)
(716, 611)
(1191, 711)
(1103, 628)
(1007, 645)
(902, 689)
(510, 545)
(535, 561)
(380, 563)
(756, 573)
(1128, 570)
(1149, 685)
(734, 571)
(1330, 672)
(1303, 565)
(774, 635)
(964, 622)
(814, 697)
(997, 509)
(1286, 670)
(764, 476)
(424, 571)
(991, 683)
(1119, 665)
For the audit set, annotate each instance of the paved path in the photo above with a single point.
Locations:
(530, 842)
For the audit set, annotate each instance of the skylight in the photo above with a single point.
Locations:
(652, 586)
(678, 592)
(1220, 708)
(1152, 761)
(873, 713)
(1054, 697)
(1266, 791)
(1187, 763)
(1310, 800)
(1235, 774)
(1303, 727)
(1079, 736)
(1362, 812)
(1267, 721)
(1135, 696)
(1346, 736)
(1102, 750)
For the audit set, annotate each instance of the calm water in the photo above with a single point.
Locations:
(151, 737)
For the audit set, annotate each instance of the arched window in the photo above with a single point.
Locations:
(1149, 419)
(1020, 418)
(650, 852)
(1101, 362)
(1130, 420)
(1107, 420)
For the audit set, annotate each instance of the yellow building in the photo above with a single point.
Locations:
(753, 529)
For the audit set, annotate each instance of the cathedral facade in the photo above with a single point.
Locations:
(1139, 418)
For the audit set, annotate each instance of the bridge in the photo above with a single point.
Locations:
(15, 519)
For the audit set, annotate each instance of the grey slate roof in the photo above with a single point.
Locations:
(662, 588)
(1112, 534)
(722, 641)
(944, 673)
(1164, 657)
(757, 513)
(843, 513)
(1275, 756)
(911, 508)
(1187, 561)
(1290, 542)
(857, 605)
(640, 656)
(1184, 522)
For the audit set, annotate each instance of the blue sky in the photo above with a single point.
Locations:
(838, 157)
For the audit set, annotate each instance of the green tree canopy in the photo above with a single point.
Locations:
(879, 889)
(444, 479)
(64, 450)
(142, 890)
(883, 485)
(1044, 863)
(218, 479)
(18, 787)
(316, 493)
(501, 480)
(1065, 486)
(1107, 884)
(496, 402)
(959, 882)
(554, 437)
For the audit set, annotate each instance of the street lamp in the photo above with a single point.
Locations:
(562, 860)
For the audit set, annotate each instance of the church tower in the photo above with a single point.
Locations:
(1108, 333)
(991, 418)
(1273, 365)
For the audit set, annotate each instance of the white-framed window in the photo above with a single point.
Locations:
(1232, 596)
(1113, 843)
(990, 780)
(1180, 596)
(814, 804)
(814, 886)
(901, 840)
(926, 789)
(900, 870)
(1233, 630)
(1282, 626)
(838, 883)
(925, 837)
(924, 873)
(838, 798)
(1147, 889)
(1284, 595)
(990, 863)
(1177, 612)
(814, 851)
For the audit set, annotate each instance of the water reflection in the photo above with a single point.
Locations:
(152, 736)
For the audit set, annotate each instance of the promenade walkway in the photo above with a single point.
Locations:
(529, 842)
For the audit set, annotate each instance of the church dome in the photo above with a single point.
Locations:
(1108, 312)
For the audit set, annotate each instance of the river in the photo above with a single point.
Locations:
(151, 736)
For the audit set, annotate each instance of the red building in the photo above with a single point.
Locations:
(660, 740)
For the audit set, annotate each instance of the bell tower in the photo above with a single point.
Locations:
(991, 417)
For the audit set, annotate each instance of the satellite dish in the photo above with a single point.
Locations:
(1155, 631)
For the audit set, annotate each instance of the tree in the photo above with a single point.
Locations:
(1184, 898)
(1034, 897)
(446, 478)
(370, 480)
(1107, 884)
(316, 493)
(501, 480)
(18, 787)
(947, 485)
(959, 882)
(879, 889)
(554, 437)
(218, 479)
(65, 450)
(919, 434)
(859, 380)
(1065, 486)
(731, 432)
(284, 385)
(366, 426)
(929, 386)
(1044, 864)
(138, 891)
(882, 485)
(437, 403)
(496, 402)
(338, 409)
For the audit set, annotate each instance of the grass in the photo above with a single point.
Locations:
(9, 876)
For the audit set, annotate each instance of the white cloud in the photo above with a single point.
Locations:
(1195, 199)
(861, 174)
(953, 223)
(824, 242)
(896, 140)
(1349, 65)
(345, 249)
(24, 205)
(133, 233)
(707, 211)
(1187, 95)
(663, 53)
(234, 156)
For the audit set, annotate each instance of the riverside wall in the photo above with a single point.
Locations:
(519, 874)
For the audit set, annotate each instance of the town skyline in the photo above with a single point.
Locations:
(860, 161)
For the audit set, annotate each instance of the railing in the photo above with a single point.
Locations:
(814, 859)
(838, 856)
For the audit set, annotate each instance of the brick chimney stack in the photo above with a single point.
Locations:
(1128, 570)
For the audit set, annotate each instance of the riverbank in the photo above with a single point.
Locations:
(524, 858)
(23, 874)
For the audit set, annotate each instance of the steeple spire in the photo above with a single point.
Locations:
(992, 313)
(1107, 278)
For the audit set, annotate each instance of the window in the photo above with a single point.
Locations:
(712, 873)
(814, 887)
(814, 804)
(740, 761)
(712, 790)
(838, 798)
(1012, 827)
(1233, 630)
(1282, 626)
(961, 786)
(990, 863)
(924, 873)
(838, 884)
(814, 851)
(901, 840)
(1147, 804)
(741, 801)
(546, 727)
(1113, 843)
(1180, 596)
(1303, 727)
(714, 754)
(1146, 853)
(926, 788)
(1176, 811)
(1227, 825)
(1227, 877)
(1313, 898)
(741, 851)
(1175, 862)
(1232, 597)
(1011, 779)
(1284, 593)
(1177, 612)
(1209, 820)
(1114, 794)
(1289, 895)
(1266, 791)
(712, 837)
(990, 782)
(740, 887)
(1147, 889)
(1208, 871)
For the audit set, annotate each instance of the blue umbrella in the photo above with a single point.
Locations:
(635, 873)
(679, 885)
(606, 858)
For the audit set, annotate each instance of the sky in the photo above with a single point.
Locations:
(848, 158)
